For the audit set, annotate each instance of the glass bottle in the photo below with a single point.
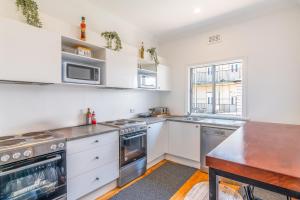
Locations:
(83, 29)
(142, 51)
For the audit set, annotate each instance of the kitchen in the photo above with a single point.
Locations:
(39, 97)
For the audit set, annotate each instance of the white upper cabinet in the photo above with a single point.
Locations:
(184, 140)
(28, 53)
(121, 70)
(163, 78)
(157, 140)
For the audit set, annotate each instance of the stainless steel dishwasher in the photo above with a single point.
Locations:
(211, 137)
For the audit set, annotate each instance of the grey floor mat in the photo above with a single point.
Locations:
(161, 184)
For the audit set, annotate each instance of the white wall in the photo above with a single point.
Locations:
(270, 46)
(34, 108)
(65, 17)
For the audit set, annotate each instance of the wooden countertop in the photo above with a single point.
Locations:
(265, 152)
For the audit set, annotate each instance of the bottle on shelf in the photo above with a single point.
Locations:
(142, 51)
(94, 121)
(83, 29)
(88, 117)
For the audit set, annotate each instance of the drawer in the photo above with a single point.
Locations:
(88, 160)
(92, 142)
(88, 182)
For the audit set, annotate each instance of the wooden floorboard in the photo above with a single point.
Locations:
(197, 177)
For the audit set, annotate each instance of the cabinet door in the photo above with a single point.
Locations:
(28, 53)
(184, 140)
(157, 141)
(121, 70)
(163, 77)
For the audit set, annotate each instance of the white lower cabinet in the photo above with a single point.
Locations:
(91, 163)
(83, 184)
(157, 140)
(184, 140)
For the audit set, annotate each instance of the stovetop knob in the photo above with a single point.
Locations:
(16, 155)
(5, 158)
(61, 145)
(53, 147)
(27, 153)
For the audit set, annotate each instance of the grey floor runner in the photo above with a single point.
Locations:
(161, 184)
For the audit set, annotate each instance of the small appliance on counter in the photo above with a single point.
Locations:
(159, 111)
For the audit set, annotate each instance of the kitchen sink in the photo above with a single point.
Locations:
(193, 118)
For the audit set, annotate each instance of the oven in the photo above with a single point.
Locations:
(37, 178)
(133, 147)
(133, 156)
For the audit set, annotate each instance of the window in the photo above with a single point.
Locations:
(217, 89)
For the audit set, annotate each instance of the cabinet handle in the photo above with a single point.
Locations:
(97, 178)
(97, 157)
(149, 127)
(96, 141)
(197, 126)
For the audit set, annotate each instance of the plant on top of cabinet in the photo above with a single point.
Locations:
(110, 36)
(30, 11)
(153, 54)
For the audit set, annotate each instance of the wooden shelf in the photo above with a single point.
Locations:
(80, 58)
(145, 62)
(76, 42)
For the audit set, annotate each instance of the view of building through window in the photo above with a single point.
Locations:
(217, 89)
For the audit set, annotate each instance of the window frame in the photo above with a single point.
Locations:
(218, 115)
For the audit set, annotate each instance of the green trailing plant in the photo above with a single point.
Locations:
(110, 37)
(153, 54)
(30, 11)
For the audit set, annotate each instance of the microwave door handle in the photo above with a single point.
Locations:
(129, 138)
(58, 157)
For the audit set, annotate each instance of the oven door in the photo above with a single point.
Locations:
(133, 147)
(39, 178)
(78, 73)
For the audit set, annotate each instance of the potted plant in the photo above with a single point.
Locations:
(30, 11)
(153, 55)
(110, 37)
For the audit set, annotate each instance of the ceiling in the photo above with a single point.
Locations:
(161, 17)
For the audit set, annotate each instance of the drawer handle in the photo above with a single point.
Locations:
(197, 126)
(97, 178)
(96, 141)
(97, 157)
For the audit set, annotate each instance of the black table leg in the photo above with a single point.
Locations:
(213, 185)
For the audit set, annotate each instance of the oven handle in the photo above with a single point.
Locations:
(57, 157)
(129, 138)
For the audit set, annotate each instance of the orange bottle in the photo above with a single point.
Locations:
(83, 29)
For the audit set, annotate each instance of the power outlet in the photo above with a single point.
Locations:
(131, 110)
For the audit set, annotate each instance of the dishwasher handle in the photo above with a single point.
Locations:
(215, 132)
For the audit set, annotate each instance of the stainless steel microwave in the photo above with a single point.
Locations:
(80, 73)
(147, 81)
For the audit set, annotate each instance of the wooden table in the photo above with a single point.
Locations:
(265, 155)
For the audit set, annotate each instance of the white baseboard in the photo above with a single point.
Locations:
(101, 191)
(155, 161)
(183, 161)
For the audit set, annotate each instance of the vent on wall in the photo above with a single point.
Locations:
(214, 39)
